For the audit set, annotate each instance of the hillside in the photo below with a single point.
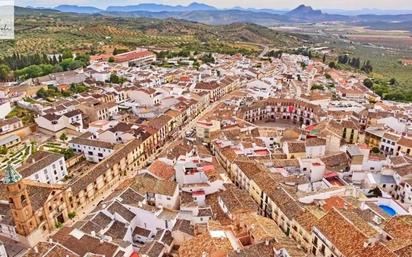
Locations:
(43, 30)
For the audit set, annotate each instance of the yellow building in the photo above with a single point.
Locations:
(405, 146)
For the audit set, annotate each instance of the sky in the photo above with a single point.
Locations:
(273, 4)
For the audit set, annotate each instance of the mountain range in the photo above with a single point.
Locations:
(199, 12)
(144, 7)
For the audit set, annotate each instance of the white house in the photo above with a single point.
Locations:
(146, 96)
(315, 168)
(54, 123)
(93, 150)
(393, 123)
(315, 147)
(45, 167)
(120, 133)
(5, 109)
(388, 144)
(161, 193)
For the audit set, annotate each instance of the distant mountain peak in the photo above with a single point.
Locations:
(196, 4)
(304, 10)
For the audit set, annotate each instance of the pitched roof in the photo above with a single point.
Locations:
(86, 244)
(147, 184)
(117, 230)
(236, 199)
(296, 147)
(90, 142)
(118, 208)
(346, 236)
(315, 142)
(133, 55)
(39, 161)
(405, 141)
(184, 226)
(162, 170)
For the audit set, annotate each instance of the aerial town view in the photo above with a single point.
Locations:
(208, 129)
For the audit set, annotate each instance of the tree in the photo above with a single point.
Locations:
(54, 60)
(4, 72)
(317, 87)
(33, 71)
(84, 58)
(332, 65)
(67, 54)
(343, 59)
(208, 58)
(368, 83)
(324, 58)
(3, 150)
(367, 67)
(111, 59)
(393, 82)
(116, 79)
(76, 65)
(72, 215)
(65, 64)
(42, 93)
(63, 137)
(57, 68)
(119, 51)
(375, 150)
(68, 153)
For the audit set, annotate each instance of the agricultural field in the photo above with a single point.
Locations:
(48, 31)
(386, 62)
(393, 41)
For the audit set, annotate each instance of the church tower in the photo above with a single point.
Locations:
(19, 202)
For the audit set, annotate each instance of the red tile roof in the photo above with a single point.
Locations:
(133, 55)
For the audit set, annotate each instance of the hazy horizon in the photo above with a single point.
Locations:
(348, 5)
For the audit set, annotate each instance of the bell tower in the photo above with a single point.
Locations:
(19, 202)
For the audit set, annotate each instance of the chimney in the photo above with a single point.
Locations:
(267, 242)
(36, 250)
